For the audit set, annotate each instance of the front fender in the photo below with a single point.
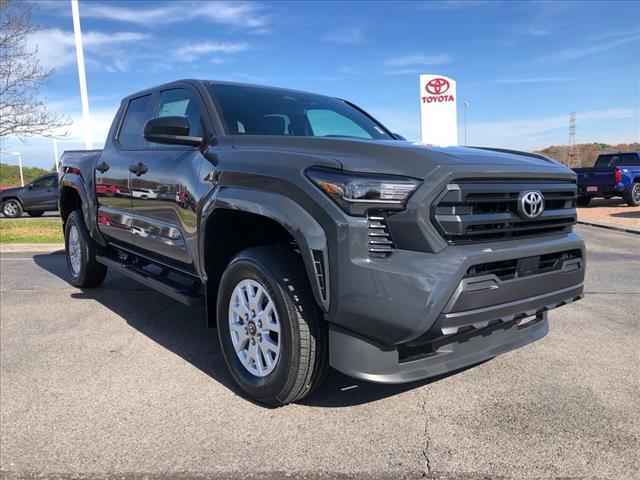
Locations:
(305, 230)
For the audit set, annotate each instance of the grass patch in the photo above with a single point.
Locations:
(23, 230)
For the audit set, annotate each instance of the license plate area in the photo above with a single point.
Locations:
(592, 189)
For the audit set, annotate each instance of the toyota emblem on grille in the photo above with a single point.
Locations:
(530, 204)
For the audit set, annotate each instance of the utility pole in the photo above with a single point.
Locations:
(572, 156)
(82, 76)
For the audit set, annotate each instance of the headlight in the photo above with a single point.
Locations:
(357, 192)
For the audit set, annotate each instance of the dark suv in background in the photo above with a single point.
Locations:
(35, 198)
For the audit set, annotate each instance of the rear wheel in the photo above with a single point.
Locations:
(35, 213)
(584, 201)
(12, 208)
(632, 197)
(85, 271)
(269, 327)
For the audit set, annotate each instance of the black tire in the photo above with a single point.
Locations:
(584, 201)
(12, 208)
(89, 272)
(632, 196)
(302, 361)
(35, 213)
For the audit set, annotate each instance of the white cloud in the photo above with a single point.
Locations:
(236, 13)
(576, 53)
(535, 31)
(190, 52)
(345, 36)
(541, 132)
(456, 4)
(56, 48)
(404, 122)
(522, 80)
(418, 59)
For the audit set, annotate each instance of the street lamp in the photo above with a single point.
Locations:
(19, 155)
(466, 104)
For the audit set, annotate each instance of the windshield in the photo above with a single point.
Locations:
(269, 111)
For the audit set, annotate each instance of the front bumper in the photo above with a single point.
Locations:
(416, 315)
(361, 359)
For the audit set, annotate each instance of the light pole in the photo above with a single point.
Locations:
(55, 154)
(82, 76)
(19, 155)
(466, 104)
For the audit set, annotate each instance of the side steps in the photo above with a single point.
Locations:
(180, 287)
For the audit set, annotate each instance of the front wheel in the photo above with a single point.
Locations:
(269, 326)
(12, 208)
(632, 197)
(85, 271)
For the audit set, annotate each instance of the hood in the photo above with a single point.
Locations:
(409, 158)
(10, 191)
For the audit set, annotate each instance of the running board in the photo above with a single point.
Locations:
(158, 283)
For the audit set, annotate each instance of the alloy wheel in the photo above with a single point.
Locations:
(75, 253)
(254, 327)
(11, 208)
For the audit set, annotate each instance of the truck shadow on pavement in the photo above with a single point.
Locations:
(183, 331)
(633, 214)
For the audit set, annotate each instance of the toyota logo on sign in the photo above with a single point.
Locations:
(437, 86)
(531, 205)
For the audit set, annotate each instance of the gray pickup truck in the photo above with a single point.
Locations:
(314, 236)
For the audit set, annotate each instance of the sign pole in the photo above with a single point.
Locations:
(82, 77)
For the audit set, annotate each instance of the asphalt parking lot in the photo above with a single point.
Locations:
(122, 381)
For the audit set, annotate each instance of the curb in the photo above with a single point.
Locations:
(32, 248)
(610, 227)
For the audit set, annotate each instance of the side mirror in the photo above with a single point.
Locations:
(30, 186)
(170, 131)
(397, 136)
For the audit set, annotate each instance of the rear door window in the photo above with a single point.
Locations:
(615, 160)
(628, 159)
(139, 112)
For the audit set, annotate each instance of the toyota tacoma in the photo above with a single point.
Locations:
(316, 237)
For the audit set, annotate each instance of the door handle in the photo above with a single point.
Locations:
(138, 168)
(102, 167)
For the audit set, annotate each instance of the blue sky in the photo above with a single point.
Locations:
(523, 66)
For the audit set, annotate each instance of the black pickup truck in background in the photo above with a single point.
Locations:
(35, 198)
(613, 175)
(314, 236)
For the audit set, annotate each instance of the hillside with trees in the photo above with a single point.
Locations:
(10, 175)
(586, 153)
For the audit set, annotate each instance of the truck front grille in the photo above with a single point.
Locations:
(380, 243)
(475, 211)
(523, 267)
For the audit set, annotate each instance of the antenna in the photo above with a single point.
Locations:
(572, 159)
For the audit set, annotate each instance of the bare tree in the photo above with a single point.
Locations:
(22, 111)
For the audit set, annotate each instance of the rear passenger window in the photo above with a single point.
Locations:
(628, 159)
(139, 111)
